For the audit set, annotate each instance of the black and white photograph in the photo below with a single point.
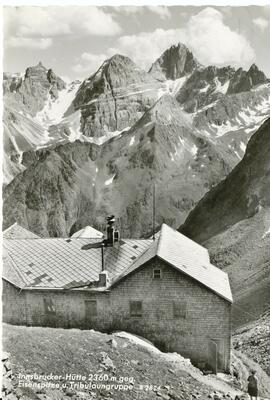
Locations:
(136, 201)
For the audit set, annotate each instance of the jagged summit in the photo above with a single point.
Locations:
(116, 64)
(30, 93)
(257, 75)
(174, 63)
(40, 72)
(119, 64)
(243, 81)
(35, 70)
(120, 58)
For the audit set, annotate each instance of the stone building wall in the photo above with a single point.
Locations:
(171, 309)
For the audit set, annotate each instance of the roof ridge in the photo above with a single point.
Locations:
(71, 238)
(187, 238)
(15, 267)
(160, 236)
(10, 226)
(119, 277)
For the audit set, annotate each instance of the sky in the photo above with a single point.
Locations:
(75, 40)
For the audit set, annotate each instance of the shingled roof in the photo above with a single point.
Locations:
(88, 232)
(186, 256)
(69, 263)
(63, 263)
(16, 231)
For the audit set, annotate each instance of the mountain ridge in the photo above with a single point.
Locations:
(233, 221)
(188, 123)
(238, 199)
(161, 147)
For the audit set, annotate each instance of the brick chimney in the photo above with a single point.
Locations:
(110, 230)
(103, 279)
(112, 234)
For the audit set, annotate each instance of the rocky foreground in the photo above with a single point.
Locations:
(253, 339)
(46, 363)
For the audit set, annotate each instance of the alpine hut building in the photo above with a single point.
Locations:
(165, 290)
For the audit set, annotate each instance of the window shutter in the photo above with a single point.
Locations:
(180, 309)
(135, 308)
(156, 273)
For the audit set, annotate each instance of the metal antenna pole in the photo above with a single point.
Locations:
(102, 257)
(154, 211)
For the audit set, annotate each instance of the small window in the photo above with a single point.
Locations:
(135, 308)
(157, 273)
(90, 308)
(180, 309)
(49, 306)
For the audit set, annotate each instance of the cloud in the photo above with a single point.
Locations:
(146, 47)
(213, 42)
(48, 22)
(206, 34)
(128, 10)
(143, 48)
(89, 63)
(30, 43)
(162, 11)
(261, 23)
(266, 10)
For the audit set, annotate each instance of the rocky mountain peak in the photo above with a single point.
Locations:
(30, 92)
(117, 64)
(246, 80)
(35, 70)
(115, 97)
(120, 70)
(175, 62)
(253, 67)
(56, 83)
(120, 59)
(256, 75)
